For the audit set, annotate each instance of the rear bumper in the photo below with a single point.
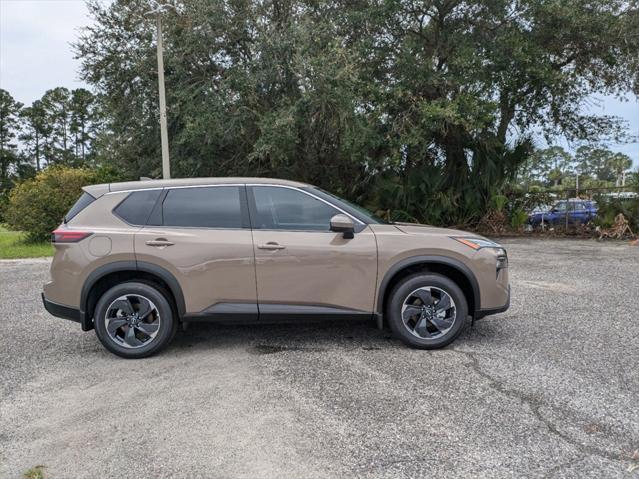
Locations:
(481, 313)
(62, 311)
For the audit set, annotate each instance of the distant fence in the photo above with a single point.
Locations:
(573, 209)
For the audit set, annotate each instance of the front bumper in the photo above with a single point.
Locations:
(481, 313)
(61, 311)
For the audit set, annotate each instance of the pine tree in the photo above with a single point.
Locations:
(9, 128)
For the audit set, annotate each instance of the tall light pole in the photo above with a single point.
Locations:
(164, 136)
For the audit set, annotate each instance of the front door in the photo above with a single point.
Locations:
(202, 236)
(301, 266)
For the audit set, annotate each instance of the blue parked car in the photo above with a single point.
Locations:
(578, 211)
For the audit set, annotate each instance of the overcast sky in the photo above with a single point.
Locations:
(35, 55)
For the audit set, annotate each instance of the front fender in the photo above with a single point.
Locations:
(427, 259)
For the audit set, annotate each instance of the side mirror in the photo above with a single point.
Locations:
(343, 224)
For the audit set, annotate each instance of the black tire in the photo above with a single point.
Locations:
(168, 322)
(405, 288)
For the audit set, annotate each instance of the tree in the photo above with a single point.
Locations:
(56, 105)
(82, 122)
(621, 165)
(595, 161)
(405, 104)
(66, 122)
(553, 164)
(35, 131)
(9, 127)
(604, 164)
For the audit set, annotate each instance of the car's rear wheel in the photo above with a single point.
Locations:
(134, 320)
(427, 311)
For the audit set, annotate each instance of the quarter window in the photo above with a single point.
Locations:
(85, 200)
(136, 208)
(208, 207)
(288, 209)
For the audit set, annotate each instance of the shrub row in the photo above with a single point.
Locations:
(37, 205)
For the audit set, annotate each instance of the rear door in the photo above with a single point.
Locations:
(580, 214)
(202, 236)
(303, 268)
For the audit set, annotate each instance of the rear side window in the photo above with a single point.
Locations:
(207, 207)
(136, 208)
(85, 200)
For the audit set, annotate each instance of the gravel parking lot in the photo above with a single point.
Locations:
(548, 389)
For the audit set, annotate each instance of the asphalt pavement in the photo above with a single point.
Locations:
(548, 389)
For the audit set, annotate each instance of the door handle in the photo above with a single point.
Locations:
(160, 242)
(271, 245)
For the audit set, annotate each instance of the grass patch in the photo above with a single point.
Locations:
(36, 472)
(13, 245)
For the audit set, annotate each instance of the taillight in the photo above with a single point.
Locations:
(68, 236)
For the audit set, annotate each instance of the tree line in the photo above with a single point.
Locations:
(58, 129)
(427, 109)
(591, 166)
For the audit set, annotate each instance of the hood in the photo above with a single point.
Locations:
(416, 228)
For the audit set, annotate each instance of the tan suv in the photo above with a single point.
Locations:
(135, 259)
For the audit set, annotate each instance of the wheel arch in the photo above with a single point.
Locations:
(108, 275)
(449, 267)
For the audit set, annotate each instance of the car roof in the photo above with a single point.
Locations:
(99, 190)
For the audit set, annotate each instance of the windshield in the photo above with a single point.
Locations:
(357, 211)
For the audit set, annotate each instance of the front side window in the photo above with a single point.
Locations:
(560, 206)
(288, 209)
(206, 207)
(352, 208)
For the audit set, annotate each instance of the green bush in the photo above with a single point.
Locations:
(518, 219)
(37, 206)
(4, 204)
(610, 208)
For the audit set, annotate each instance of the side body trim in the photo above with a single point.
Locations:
(225, 311)
(269, 313)
(298, 311)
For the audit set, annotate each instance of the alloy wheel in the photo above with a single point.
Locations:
(132, 321)
(428, 312)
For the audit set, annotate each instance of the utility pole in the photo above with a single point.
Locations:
(164, 135)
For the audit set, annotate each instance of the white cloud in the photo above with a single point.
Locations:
(35, 51)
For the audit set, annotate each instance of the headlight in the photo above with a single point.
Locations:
(502, 259)
(477, 243)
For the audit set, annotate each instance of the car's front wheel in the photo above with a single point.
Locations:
(134, 320)
(427, 311)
